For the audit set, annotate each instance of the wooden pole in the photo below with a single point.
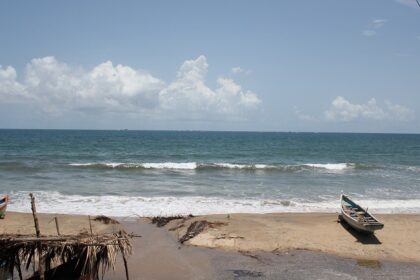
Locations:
(57, 226)
(18, 268)
(125, 260)
(38, 234)
(125, 266)
(90, 225)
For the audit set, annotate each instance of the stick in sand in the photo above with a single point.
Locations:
(38, 233)
(90, 225)
(56, 225)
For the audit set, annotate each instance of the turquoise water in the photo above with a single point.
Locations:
(127, 173)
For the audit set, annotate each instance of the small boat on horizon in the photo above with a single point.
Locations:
(357, 217)
(4, 200)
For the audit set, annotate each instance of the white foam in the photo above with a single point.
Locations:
(124, 206)
(232, 165)
(330, 166)
(195, 165)
(162, 165)
(170, 165)
(81, 164)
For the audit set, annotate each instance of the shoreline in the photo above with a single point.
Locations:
(243, 244)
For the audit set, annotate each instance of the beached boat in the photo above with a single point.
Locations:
(357, 217)
(4, 199)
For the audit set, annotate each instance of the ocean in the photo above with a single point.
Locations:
(147, 173)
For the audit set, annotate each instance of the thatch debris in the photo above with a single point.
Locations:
(80, 256)
(161, 221)
(193, 230)
(86, 255)
(106, 220)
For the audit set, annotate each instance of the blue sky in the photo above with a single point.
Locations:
(334, 65)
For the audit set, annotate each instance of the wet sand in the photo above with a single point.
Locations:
(250, 246)
(158, 256)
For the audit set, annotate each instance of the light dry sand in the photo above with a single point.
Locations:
(398, 241)
(23, 224)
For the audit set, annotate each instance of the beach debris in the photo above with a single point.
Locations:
(86, 255)
(196, 227)
(193, 230)
(106, 220)
(81, 256)
(161, 221)
(229, 236)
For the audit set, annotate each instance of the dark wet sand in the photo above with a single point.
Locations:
(157, 255)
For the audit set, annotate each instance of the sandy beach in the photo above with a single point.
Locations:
(398, 241)
(248, 246)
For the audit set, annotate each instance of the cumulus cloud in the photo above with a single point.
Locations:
(56, 87)
(374, 25)
(189, 92)
(343, 110)
(10, 89)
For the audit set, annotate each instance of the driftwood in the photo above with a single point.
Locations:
(106, 220)
(161, 221)
(196, 227)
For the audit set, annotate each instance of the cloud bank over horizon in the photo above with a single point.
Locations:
(343, 110)
(55, 87)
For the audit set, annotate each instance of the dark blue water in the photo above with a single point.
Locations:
(166, 172)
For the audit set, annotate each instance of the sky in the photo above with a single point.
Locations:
(316, 66)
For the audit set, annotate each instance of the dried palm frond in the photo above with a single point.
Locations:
(89, 254)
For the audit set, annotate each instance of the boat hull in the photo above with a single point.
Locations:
(3, 206)
(369, 229)
(357, 217)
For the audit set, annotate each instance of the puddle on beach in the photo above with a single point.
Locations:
(369, 263)
(238, 273)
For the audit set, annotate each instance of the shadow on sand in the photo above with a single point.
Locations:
(363, 238)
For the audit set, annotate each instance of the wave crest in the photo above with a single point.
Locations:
(231, 166)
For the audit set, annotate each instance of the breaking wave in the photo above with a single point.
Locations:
(126, 206)
(231, 166)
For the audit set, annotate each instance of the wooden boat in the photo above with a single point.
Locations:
(4, 199)
(357, 217)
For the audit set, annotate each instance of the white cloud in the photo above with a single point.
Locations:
(378, 23)
(239, 70)
(190, 92)
(399, 112)
(10, 89)
(343, 110)
(374, 25)
(56, 87)
(409, 3)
